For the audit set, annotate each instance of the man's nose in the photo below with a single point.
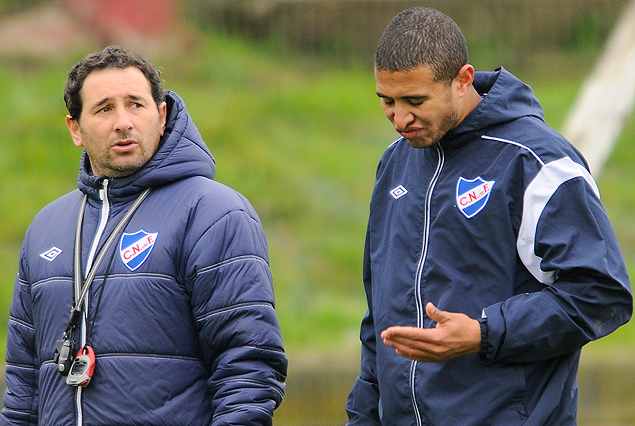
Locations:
(123, 120)
(402, 117)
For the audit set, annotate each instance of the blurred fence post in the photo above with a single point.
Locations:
(606, 100)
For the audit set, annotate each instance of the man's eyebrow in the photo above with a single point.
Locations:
(109, 99)
(412, 97)
(102, 102)
(135, 97)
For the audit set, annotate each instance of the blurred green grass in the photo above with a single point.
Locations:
(299, 136)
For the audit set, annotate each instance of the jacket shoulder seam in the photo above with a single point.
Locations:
(518, 144)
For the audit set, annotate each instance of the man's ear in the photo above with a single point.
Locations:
(465, 78)
(73, 128)
(163, 113)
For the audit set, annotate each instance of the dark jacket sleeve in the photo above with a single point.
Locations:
(362, 405)
(233, 305)
(21, 395)
(590, 295)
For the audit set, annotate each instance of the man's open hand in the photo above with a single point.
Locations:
(455, 335)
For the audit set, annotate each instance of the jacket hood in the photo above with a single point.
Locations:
(505, 98)
(182, 153)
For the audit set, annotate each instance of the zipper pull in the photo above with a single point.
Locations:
(103, 192)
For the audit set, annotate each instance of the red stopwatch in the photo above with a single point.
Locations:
(82, 368)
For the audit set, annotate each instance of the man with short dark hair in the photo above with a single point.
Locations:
(164, 273)
(489, 258)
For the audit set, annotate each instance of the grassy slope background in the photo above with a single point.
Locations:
(300, 138)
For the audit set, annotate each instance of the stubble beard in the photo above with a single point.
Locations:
(448, 122)
(116, 165)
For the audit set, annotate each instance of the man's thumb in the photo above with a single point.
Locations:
(435, 314)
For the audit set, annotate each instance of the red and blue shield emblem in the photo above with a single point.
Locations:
(135, 248)
(472, 195)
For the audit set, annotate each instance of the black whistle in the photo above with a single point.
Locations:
(63, 356)
(75, 318)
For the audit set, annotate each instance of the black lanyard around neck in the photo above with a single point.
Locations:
(64, 347)
(84, 284)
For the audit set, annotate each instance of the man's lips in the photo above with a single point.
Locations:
(124, 146)
(410, 132)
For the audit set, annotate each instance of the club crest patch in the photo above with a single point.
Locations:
(472, 195)
(135, 248)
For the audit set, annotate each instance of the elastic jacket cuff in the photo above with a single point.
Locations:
(484, 337)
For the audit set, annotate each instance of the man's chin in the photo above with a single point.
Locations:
(120, 170)
(422, 144)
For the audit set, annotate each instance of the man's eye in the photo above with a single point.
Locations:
(104, 109)
(387, 101)
(415, 102)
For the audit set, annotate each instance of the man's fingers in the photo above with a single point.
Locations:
(405, 333)
(455, 335)
(414, 348)
(408, 336)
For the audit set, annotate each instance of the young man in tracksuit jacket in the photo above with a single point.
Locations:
(489, 258)
(180, 316)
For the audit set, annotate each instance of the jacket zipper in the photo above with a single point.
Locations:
(422, 259)
(103, 220)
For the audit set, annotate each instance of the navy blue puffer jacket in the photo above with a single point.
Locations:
(180, 315)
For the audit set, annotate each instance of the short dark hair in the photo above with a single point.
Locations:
(421, 36)
(110, 57)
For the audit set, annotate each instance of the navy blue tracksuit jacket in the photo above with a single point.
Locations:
(502, 221)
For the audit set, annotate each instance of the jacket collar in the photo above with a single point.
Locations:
(505, 98)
